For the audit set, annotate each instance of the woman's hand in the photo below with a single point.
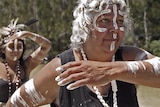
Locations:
(20, 35)
(86, 72)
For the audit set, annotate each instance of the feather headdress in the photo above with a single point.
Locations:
(11, 29)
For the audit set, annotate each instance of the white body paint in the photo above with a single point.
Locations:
(141, 56)
(155, 62)
(17, 99)
(34, 96)
(134, 66)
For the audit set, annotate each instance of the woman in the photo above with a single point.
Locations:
(14, 69)
(98, 30)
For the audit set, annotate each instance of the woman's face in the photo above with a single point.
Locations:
(108, 30)
(14, 50)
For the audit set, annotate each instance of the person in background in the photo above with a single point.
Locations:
(14, 69)
(96, 59)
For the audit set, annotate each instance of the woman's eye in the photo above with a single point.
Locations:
(104, 20)
(11, 46)
(20, 47)
(120, 21)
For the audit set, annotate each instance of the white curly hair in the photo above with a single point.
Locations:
(84, 15)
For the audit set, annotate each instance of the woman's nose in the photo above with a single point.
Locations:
(112, 29)
(15, 49)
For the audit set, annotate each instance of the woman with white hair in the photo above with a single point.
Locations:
(97, 33)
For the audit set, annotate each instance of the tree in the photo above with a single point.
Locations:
(146, 22)
(55, 19)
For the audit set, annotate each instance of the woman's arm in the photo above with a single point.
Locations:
(38, 54)
(41, 89)
(144, 72)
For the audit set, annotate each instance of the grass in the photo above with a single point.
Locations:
(148, 96)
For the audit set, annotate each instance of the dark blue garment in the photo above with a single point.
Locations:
(4, 90)
(4, 93)
(84, 97)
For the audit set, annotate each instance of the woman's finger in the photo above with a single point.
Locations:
(68, 65)
(77, 84)
(71, 78)
(69, 68)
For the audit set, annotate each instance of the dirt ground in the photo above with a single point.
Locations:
(148, 97)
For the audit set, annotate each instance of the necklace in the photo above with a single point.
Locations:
(113, 84)
(9, 77)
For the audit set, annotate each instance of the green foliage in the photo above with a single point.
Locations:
(55, 19)
(138, 7)
(155, 47)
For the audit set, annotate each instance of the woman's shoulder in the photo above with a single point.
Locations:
(66, 52)
(66, 56)
(130, 48)
(132, 52)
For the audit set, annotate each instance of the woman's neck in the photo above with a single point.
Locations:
(12, 64)
(97, 55)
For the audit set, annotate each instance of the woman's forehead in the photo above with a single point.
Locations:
(111, 6)
(13, 41)
(111, 12)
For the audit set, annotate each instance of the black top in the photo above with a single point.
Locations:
(4, 89)
(84, 97)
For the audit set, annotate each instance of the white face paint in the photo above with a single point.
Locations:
(9, 49)
(115, 25)
(15, 44)
(120, 12)
(121, 29)
(112, 46)
(115, 16)
(14, 47)
(95, 20)
(114, 35)
(15, 58)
